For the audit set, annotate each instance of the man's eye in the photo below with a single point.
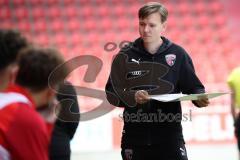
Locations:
(152, 25)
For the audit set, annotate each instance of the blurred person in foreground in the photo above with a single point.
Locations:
(234, 85)
(152, 64)
(11, 42)
(24, 134)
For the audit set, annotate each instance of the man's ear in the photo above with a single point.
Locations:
(50, 94)
(14, 70)
(164, 25)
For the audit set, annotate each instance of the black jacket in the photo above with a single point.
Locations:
(169, 70)
(66, 124)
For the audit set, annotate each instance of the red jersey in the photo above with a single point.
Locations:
(23, 132)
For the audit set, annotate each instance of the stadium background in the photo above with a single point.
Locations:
(207, 29)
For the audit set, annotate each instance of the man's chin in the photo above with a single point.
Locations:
(147, 40)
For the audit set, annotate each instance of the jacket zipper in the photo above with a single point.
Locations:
(149, 142)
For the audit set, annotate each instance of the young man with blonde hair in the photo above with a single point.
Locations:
(152, 64)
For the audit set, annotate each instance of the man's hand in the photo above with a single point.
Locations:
(203, 102)
(141, 96)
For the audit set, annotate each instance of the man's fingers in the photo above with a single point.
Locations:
(141, 96)
(203, 102)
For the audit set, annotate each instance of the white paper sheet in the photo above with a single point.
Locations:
(184, 97)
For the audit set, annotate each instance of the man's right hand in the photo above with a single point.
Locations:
(203, 102)
(141, 96)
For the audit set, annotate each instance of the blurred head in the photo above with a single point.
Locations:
(152, 21)
(35, 66)
(11, 42)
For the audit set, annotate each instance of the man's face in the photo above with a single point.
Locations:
(151, 28)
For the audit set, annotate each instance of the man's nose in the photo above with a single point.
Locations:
(146, 28)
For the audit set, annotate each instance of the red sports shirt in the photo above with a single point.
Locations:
(24, 134)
